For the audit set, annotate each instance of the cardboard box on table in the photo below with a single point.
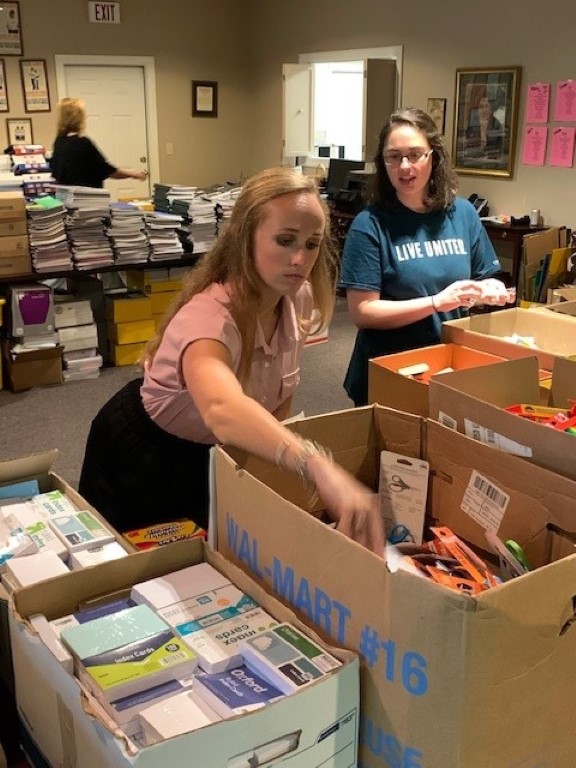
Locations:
(563, 308)
(388, 387)
(473, 402)
(447, 680)
(36, 467)
(554, 335)
(321, 720)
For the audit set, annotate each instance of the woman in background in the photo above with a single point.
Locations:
(418, 255)
(75, 158)
(223, 369)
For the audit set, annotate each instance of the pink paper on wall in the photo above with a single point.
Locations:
(562, 147)
(534, 145)
(537, 103)
(565, 105)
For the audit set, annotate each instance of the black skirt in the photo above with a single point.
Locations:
(136, 474)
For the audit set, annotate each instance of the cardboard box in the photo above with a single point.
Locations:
(35, 467)
(563, 307)
(132, 332)
(473, 401)
(35, 368)
(388, 387)
(10, 227)
(161, 301)
(70, 311)
(12, 205)
(321, 720)
(154, 280)
(15, 265)
(126, 354)
(441, 670)
(127, 307)
(554, 335)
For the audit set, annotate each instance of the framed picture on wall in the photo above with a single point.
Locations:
(485, 121)
(204, 98)
(19, 130)
(436, 108)
(35, 85)
(3, 88)
(10, 30)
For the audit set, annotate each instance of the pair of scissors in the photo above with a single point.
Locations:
(397, 484)
(399, 534)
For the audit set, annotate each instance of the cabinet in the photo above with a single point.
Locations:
(508, 240)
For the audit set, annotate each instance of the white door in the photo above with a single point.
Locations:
(116, 108)
(298, 102)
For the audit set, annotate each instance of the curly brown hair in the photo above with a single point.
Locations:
(231, 260)
(443, 183)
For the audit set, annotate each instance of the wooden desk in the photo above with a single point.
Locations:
(512, 234)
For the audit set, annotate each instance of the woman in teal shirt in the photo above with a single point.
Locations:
(417, 255)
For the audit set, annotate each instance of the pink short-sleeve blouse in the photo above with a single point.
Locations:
(275, 370)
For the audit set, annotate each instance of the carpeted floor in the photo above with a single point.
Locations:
(59, 417)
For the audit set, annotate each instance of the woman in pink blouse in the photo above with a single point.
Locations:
(223, 369)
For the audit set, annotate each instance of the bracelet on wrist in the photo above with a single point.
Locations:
(433, 304)
(299, 464)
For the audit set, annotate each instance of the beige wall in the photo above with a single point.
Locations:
(243, 43)
(437, 37)
(189, 40)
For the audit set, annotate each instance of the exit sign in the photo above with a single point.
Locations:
(104, 13)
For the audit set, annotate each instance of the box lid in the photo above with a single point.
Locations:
(27, 466)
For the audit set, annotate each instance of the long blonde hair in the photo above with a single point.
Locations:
(231, 260)
(71, 116)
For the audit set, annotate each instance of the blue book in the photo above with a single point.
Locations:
(235, 691)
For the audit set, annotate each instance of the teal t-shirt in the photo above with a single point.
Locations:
(403, 255)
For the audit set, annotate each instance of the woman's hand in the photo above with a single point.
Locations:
(141, 175)
(353, 506)
(462, 293)
(495, 292)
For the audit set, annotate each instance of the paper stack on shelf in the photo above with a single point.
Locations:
(87, 209)
(127, 232)
(49, 247)
(162, 234)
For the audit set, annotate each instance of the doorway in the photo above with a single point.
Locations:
(335, 102)
(119, 93)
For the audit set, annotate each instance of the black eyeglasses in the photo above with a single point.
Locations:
(414, 156)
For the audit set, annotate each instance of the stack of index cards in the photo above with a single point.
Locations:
(287, 658)
(235, 691)
(126, 652)
(208, 612)
(178, 714)
(31, 519)
(53, 503)
(81, 530)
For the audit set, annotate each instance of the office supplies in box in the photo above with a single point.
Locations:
(316, 726)
(417, 639)
(474, 402)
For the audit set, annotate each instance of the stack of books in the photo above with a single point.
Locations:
(49, 247)
(123, 653)
(126, 229)
(87, 211)
(162, 234)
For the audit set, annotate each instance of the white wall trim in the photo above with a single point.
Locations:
(149, 67)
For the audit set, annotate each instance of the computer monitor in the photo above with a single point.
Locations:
(338, 172)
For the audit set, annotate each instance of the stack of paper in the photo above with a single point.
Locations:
(127, 232)
(162, 235)
(126, 652)
(87, 210)
(49, 246)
